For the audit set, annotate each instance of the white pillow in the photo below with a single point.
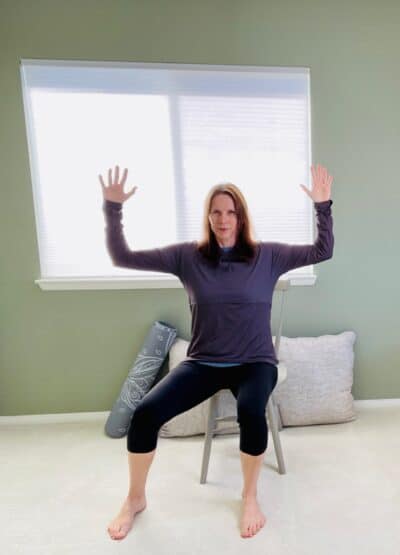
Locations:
(194, 420)
(317, 389)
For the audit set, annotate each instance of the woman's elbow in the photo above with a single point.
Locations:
(324, 254)
(328, 255)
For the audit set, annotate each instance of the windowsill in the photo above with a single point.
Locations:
(167, 282)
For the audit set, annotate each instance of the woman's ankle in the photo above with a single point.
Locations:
(136, 496)
(249, 495)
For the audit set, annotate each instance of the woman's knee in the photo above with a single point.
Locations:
(248, 412)
(146, 414)
(143, 429)
(253, 435)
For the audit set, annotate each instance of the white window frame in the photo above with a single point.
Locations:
(161, 281)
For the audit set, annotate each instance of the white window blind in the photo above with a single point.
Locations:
(179, 129)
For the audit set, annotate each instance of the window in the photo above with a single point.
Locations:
(179, 129)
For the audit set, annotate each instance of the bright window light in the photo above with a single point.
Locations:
(179, 129)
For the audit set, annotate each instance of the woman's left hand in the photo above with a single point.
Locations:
(321, 188)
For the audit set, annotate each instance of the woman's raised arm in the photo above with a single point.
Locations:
(287, 257)
(164, 259)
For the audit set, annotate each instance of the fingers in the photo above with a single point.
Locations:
(314, 174)
(102, 182)
(114, 181)
(306, 190)
(124, 176)
(132, 192)
(320, 175)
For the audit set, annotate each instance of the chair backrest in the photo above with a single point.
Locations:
(281, 285)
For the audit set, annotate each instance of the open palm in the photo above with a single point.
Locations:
(321, 187)
(115, 189)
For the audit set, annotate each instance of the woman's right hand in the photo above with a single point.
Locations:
(115, 190)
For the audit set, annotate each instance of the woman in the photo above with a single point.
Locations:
(230, 279)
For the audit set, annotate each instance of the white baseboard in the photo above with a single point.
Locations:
(54, 418)
(395, 402)
(102, 416)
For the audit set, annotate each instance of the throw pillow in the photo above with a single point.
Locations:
(317, 389)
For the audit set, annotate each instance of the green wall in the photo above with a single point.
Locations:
(67, 351)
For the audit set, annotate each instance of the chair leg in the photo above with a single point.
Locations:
(273, 424)
(212, 413)
(277, 413)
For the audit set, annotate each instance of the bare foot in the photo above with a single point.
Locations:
(252, 517)
(120, 526)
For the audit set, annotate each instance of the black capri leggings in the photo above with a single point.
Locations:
(191, 383)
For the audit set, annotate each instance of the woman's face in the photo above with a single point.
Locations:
(223, 219)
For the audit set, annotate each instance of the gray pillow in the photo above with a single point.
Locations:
(140, 378)
(319, 380)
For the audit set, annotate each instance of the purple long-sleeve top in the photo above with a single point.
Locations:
(230, 304)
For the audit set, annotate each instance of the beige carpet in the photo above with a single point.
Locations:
(61, 483)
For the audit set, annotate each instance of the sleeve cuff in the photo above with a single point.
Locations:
(323, 204)
(111, 205)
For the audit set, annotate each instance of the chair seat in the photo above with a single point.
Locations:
(282, 373)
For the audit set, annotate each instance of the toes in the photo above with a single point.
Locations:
(252, 529)
(115, 533)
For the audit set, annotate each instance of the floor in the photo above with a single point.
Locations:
(62, 482)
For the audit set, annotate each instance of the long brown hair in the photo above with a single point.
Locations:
(246, 246)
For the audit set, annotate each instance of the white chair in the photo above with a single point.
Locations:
(273, 416)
